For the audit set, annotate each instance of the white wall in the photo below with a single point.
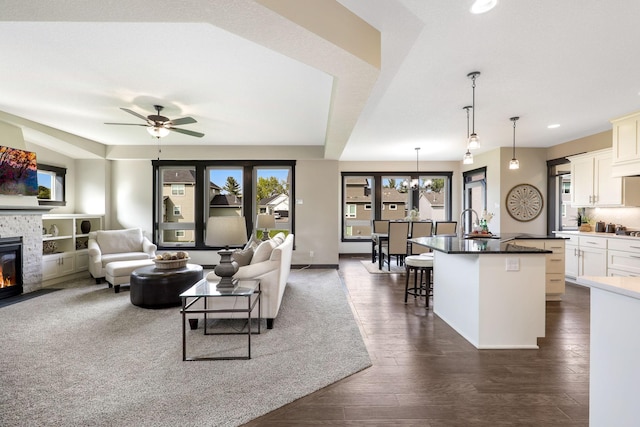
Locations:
(132, 195)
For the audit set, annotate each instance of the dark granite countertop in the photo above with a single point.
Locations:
(455, 245)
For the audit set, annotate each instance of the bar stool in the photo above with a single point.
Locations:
(422, 264)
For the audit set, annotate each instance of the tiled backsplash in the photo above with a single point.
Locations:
(29, 226)
(628, 217)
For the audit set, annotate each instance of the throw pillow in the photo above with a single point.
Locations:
(263, 252)
(242, 256)
(278, 238)
(252, 243)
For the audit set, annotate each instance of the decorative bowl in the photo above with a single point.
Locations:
(49, 247)
(169, 264)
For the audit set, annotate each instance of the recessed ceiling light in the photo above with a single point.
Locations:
(482, 6)
(553, 126)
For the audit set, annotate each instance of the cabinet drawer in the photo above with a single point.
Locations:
(593, 242)
(555, 263)
(557, 246)
(570, 239)
(627, 245)
(626, 261)
(555, 283)
(621, 273)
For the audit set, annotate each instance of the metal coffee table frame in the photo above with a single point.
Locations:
(205, 289)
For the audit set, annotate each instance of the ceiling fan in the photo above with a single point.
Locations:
(159, 126)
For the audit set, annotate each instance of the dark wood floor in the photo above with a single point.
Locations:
(425, 374)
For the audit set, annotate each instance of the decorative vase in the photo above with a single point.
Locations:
(85, 226)
(53, 230)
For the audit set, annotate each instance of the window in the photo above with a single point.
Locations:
(357, 219)
(188, 192)
(390, 196)
(176, 225)
(177, 189)
(51, 185)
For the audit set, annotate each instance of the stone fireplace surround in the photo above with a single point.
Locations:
(27, 224)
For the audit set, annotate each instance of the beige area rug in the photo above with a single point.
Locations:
(85, 356)
(372, 267)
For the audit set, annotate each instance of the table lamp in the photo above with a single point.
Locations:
(265, 222)
(226, 231)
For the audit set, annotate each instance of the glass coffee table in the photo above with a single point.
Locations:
(204, 289)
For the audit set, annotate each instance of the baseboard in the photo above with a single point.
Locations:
(314, 266)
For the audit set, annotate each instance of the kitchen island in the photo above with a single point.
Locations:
(614, 373)
(491, 291)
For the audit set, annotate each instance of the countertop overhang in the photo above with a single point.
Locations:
(627, 286)
(502, 245)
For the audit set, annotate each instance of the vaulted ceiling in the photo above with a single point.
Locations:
(353, 79)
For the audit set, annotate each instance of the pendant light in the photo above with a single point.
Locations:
(468, 157)
(514, 163)
(474, 141)
(415, 183)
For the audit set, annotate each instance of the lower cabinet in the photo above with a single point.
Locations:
(555, 265)
(57, 265)
(82, 261)
(624, 258)
(600, 255)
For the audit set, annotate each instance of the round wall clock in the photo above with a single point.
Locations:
(524, 202)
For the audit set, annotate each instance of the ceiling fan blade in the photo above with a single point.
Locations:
(127, 124)
(134, 113)
(187, 132)
(184, 121)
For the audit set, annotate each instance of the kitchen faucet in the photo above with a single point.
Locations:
(463, 225)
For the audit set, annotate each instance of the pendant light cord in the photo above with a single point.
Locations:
(473, 104)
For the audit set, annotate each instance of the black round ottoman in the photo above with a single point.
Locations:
(153, 288)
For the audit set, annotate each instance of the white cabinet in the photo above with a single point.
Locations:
(585, 255)
(592, 254)
(57, 265)
(64, 240)
(554, 265)
(626, 145)
(623, 258)
(593, 184)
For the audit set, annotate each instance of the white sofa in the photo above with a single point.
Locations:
(107, 246)
(272, 267)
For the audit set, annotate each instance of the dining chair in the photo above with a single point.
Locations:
(420, 229)
(445, 228)
(380, 226)
(396, 244)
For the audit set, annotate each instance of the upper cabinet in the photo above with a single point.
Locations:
(626, 145)
(593, 184)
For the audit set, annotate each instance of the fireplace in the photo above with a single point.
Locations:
(10, 266)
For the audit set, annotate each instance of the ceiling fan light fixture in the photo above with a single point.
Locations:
(158, 131)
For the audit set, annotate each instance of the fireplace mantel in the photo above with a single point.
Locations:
(24, 210)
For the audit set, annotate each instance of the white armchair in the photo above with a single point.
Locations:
(107, 246)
